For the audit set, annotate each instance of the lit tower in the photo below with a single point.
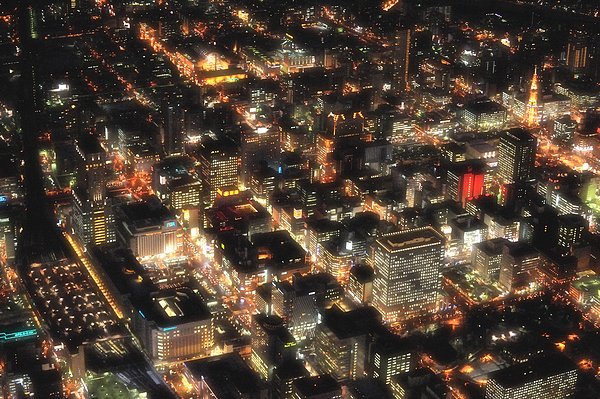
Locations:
(531, 115)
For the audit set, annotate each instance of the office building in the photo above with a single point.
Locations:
(298, 302)
(184, 193)
(319, 231)
(360, 283)
(483, 115)
(465, 181)
(219, 167)
(516, 156)
(260, 144)
(401, 60)
(468, 231)
(342, 340)
(390, 355)
(564, 129)
(272, 344)
(336, 259)
(407, 273)
(486, 258)
(226, 377)
(570, 231)
(548, 376)
(519, 266)
(577, 52)
(419, 383)
(92, 219)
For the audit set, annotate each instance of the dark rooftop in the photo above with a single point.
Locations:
(317, 385)
(537, 368)
(89, 144)
(363, 272)
(228, 376)
(352, 323)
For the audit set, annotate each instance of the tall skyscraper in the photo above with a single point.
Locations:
(258, 145)
(173, 122)
(577, 52)
(272, 344)
(464, 181)
(407, 273)
(92, 219)
(219, 167)
(401, 60)
(516, 155)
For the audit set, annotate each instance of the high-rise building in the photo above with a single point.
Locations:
(342, 340)
(219, 167)
(549, 376)
(259, 144)
(577, 52)
(173, 123)
(92, 218)
(390, 355)
(570, 231)
(272, 344)
(401, 60)
(407, 272)
(518, 266)
(464, 181)
(360, 283)
(298, 302)
(564, 128)
(486, 258)
(516, 155)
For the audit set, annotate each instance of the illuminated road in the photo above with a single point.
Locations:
(91, 271)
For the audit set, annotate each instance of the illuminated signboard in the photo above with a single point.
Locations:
(170, 224)
(17, 334)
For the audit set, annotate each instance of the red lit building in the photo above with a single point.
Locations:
(465, 181)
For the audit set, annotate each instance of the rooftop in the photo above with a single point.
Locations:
(352, 323)
(172, 307)
(228, 376)
(484, 107)
(363, 272)
(90, 144)
(317, 385)
(410, 239)
(535, 369)
(148, 213)
(492, 247)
